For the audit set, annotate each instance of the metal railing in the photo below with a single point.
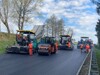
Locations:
(94, 66)
(90, 63)
(86, 65)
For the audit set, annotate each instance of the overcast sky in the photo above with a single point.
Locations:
(78, 14)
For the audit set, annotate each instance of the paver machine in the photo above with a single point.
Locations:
(47, 45)
(25, 43)
(85, 41)
(82, 41)
(78, 44)
(66, 43)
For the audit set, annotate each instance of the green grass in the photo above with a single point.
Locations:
(6, 40)
(98, 58)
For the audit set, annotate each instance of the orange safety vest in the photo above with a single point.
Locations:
(56, 45)
(69, 44)
(81, 46)
(30, 49)
(87, 47)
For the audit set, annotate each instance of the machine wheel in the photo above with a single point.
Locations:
(72, 48)
(39, 53)
(54, 50)
(49, 53)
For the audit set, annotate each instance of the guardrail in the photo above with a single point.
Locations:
(94, 66)
(89, 65)
(83, 67)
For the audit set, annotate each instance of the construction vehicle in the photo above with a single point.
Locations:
(85, 41)
(47, 45)
(78, 44)
(82, 41)
(25, 41)
(66, 43)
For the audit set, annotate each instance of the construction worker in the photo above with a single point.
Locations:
(56, 45)
(69, 44)
(35, 44)
(30, 49)
(81, 47)
(19, 39)
(87, 48)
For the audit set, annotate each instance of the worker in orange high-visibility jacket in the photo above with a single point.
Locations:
(56, 44)
(87, 48)
(30, 49)
(81, 47)
(69, 44)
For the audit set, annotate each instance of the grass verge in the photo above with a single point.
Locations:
(6, 40)
(98, 57)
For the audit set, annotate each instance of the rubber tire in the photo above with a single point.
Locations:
(54, 50)
(49, 53)
(39, 53)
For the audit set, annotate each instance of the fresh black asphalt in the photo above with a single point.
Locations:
(62, 63)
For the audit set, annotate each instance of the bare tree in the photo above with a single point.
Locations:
(60, 27)
(53, 24)
(56, 26)
(4, 13)
(47, 26)
(23, 9)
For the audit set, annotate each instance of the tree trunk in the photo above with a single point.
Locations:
(8, 30)
(7, 26)
(52, 32)
(22, 25)
(47, 30)
(19, 24)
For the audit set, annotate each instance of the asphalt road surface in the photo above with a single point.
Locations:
(62, 63)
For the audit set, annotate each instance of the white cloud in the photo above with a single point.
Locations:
(88, 20)
(79, 12)
(82, 13)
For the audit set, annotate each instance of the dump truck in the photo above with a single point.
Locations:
(47, 45)
(25, 42)
(66, 42)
